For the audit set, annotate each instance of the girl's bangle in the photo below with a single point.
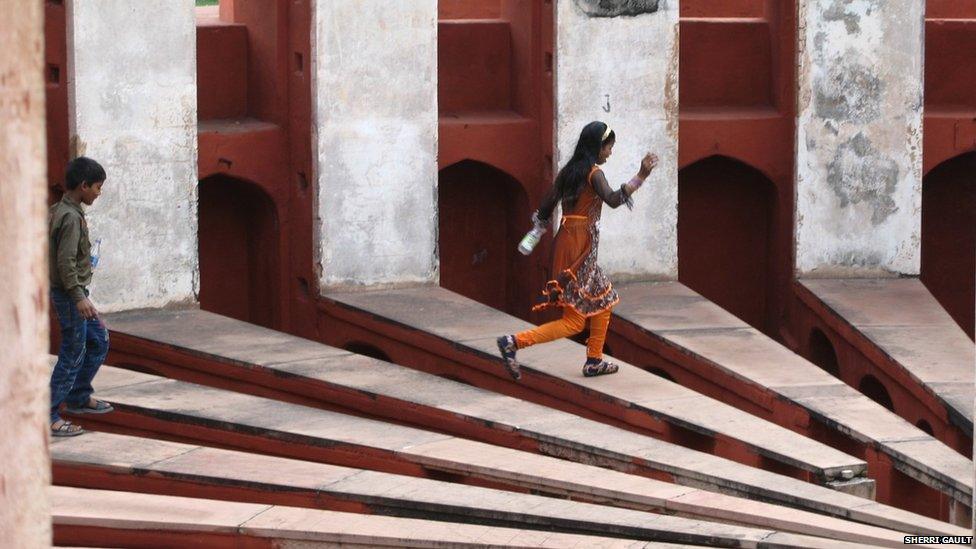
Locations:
(635, 183)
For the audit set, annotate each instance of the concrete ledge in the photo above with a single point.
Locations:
(244, 357)
(152, 466)
(742, 364)
(159, 517)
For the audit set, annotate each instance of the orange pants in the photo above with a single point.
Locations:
(570, 324)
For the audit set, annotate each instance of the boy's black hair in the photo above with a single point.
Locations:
(83, 170)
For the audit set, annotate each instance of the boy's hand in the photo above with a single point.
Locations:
(648, 163)
(87, 309)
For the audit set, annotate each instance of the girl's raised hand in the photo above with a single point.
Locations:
(648, 163)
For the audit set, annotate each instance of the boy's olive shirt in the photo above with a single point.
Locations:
(70, 249)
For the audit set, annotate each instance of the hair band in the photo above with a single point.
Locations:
(606, 134)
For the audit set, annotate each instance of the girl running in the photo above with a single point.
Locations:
(579, 286)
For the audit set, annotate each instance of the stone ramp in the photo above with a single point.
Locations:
(461, 332)
(83, 516)
(737, 360)
(191, 342)
(886, 313)
(181, 411)
(151, 466)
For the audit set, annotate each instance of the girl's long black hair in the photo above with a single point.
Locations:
(572, 176)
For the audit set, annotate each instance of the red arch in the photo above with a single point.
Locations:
(821, 352)
(238, 239)
(725, 226)
(872, 388)
(482, 213)
(949, 237)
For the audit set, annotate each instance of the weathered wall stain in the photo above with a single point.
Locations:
(617, 8)
(849, 92)
(861, 173)
(840, 10)
(858, 172)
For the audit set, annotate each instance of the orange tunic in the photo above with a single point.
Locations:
(578, 281)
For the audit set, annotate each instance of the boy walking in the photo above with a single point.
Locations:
(84, 339)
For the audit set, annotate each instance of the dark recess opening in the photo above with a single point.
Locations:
(238, 239)
(875, 390)
(724, 218)
(480, 212)
(366, 349)
(822, 353)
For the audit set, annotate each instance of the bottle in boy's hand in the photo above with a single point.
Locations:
(96, 253)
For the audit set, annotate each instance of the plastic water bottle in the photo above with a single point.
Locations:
(531, 239)
(96, 253)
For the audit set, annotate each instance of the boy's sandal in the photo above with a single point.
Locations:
(100, 407)
(599, 368)
(66, 429)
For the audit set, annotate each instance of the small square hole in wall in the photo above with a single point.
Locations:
(53, 74)
(302, 181)
(299, 62)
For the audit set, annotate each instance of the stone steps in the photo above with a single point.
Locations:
(887, 313)
(460, 334)
(151, 466)
(189, 344)
(718, 353)
(133, 519)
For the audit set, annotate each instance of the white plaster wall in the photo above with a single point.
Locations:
(859, 137)
(629, 66)
(375, 94)
(133, 108)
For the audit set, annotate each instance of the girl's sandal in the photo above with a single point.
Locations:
(602, 368)
(66, 429)
(507, 348)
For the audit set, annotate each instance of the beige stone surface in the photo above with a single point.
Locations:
(178, 403)
(677, 316)
(318, 367)
(453, 317)
(133, 511)
(24, 470)
(904, 320)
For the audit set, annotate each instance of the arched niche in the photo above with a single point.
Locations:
(238, 239)
(724, 224)
(821, 352)
(949, 237)
(872, 388)
(482, 213)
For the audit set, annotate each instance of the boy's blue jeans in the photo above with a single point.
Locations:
(84, 344)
